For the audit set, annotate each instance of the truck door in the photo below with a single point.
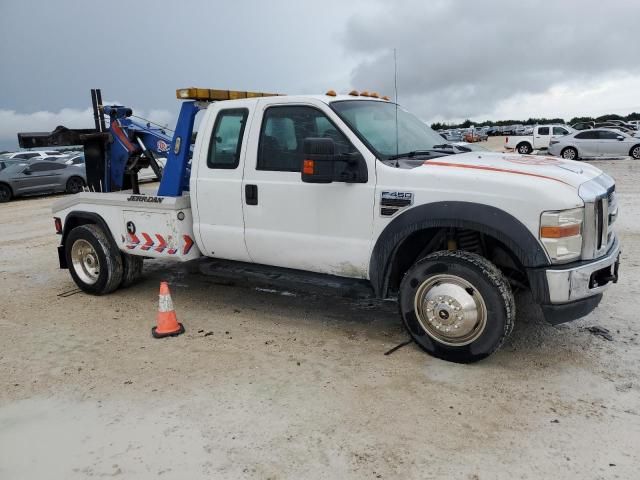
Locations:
(541, 137)
(323, 228)
(216, 180)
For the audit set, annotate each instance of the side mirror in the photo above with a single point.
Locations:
(620, 137)
(27, 171)
(318, 161)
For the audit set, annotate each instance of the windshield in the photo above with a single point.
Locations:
(375, 123)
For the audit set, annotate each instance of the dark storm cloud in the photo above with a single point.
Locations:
(459, 59)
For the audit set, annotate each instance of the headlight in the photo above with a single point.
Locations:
(561, 234)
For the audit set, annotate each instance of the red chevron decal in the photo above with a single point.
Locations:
(162, 245)
(188, 243)
(148, 243)
(133, 241)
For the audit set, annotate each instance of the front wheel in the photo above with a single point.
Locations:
(74, 185)
(635, 152)
(569, 153)
(5, 193)
(457, 306)
(94, 262)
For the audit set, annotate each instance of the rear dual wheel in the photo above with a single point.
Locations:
(457, 306)
(96, 264)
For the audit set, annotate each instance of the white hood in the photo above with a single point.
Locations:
(568, 172)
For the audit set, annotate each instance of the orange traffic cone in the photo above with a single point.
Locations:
(167, 323)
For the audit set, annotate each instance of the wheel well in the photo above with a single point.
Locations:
(77, 176)
(631, 149)
(524, 142)
(423, 242)
(8, 186)
(76, 219)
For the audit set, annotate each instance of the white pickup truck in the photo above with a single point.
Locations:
(539, 140)
(335, 185)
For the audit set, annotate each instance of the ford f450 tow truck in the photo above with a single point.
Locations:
(349, 186)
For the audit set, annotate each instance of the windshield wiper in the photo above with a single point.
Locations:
(415, 153)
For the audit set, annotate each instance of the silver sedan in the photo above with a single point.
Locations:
(593, 143)
(39, 177)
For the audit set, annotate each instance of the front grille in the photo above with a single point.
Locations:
(601, 210)
(600, 223)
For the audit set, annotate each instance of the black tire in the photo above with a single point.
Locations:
(524, 148)
(569, 153)
(109, 260)
(74, 185)
(5, 193)
(635, 152)
(132, 269)
(484, 281)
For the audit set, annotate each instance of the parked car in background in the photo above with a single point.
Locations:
(538, 140)
(40, 177)
(597, 142)
(635, 123)
(76, 160)
(35, 154)
(582, 125)
(617, 126)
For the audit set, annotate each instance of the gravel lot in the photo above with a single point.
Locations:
(273, 384)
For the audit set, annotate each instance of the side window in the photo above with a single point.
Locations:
(605, 135)
(283, 132)
(559, 131)
(226, 138)
(587, 135)
(47, 166)
(543, 131)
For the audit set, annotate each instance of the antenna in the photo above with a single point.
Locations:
(395, 87)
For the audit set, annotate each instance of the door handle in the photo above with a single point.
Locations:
(251, 194)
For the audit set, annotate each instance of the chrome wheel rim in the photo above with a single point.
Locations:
(85, 261)
(524, 149)
(636, 153)
(450, 310)
(569, 154)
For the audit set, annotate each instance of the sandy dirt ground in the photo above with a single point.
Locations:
(281, 384)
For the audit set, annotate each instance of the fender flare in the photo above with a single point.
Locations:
(483, 218)
(83, 218)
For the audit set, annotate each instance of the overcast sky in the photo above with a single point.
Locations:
(456, 59)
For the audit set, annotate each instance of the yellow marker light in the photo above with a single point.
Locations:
(374, 95)
(354, 93)
(560, 231)
(385, 97)
(364, 93)
(331, 93)
(211, 95)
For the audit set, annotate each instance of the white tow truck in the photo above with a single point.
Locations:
(538, 140)
(355, 186)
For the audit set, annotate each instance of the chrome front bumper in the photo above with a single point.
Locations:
(585, 279)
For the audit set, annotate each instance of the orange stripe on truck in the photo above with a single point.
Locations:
(491, 169)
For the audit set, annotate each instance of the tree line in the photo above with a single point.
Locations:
(535, 121)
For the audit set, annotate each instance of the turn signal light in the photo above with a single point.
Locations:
(307, 167)
(560, 231)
